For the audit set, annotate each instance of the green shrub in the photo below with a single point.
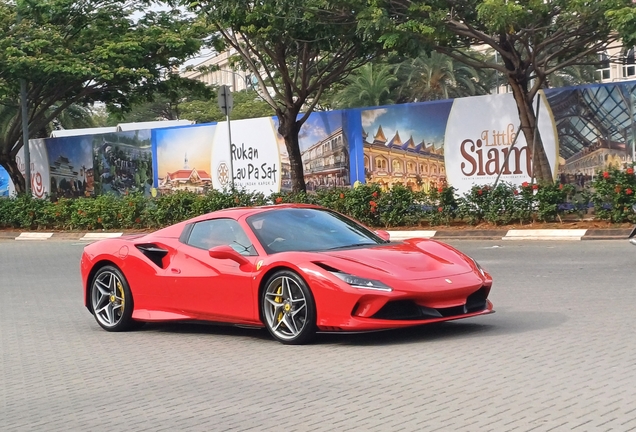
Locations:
(334, 199)
(442, 206)
(172, 208)
(500, 205)
(398, 206)
(362, 203)
(26, 212)
(613, 195)
(549, 197)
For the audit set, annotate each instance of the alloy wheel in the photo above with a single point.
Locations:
(108, 298)
(285, 308)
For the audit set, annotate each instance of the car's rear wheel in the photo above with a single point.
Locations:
(111, 300)
(288, 307)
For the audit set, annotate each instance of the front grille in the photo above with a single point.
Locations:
(477, 301)
(409, 310)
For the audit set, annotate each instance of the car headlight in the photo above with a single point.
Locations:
(481, 270)
(361, 283)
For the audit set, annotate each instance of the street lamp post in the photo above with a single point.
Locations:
(25, 127)
(25, 136)
(226, 104)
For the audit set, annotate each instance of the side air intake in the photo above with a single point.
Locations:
(154, 253)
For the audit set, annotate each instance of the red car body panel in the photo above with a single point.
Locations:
(194, 286)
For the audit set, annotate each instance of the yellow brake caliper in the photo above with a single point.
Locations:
(279, 299)
(120, 288)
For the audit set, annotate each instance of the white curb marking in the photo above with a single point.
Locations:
(403, 235)
(34, 236)
(100, 236)
(545, 234)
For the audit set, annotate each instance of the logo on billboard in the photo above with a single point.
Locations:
(223, 174)
(483, 141)
(37, 186)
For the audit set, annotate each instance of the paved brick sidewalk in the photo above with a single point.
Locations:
(559, 355)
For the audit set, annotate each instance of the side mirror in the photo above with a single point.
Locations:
(383, 235)
(226, 252)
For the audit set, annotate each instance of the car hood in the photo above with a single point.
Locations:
(413, 259)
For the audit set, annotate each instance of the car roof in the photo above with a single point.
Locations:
(236, 213)
(239, 212)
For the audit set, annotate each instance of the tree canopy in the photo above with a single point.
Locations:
(533, 39)
(296, 49)
(394, 79)
(71, 52)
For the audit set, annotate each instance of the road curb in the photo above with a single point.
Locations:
(503, 234)
(100, 236)
(607, 234)
(545, 234)
(34, 236)
(523, 234)
(471, 234)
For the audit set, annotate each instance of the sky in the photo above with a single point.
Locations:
(424, 122)
(318, 126)
(68, 147)
(174, 143)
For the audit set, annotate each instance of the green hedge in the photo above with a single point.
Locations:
(611, 195)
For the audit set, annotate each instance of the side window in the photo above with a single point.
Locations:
(219, 232)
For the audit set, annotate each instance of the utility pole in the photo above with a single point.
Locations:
(25, 127)
(225, 104)
(25, 136)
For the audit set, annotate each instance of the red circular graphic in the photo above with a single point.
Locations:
(223, 174)
(37, 186)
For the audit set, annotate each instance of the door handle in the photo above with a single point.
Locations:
(175, 270)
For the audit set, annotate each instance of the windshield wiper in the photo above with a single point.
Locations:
(352, 245)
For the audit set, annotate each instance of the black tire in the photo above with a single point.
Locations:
(111, 300)
(288, 308)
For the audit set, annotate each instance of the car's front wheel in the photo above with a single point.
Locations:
(111, 300)
(288, 307)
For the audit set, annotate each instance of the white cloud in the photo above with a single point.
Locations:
(312, 131)
(368, 117)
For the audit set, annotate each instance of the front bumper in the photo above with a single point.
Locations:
(411, 303)
(356, 324)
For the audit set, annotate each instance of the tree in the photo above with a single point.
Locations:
(573, 75)
(166, 102)
(247, 104)
(296, 49)
(437, 76)
(371, 85)
(71, 52)
(534, 39)
(623, 20)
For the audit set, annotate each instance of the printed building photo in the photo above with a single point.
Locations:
(595, 128)
(184, 158)
(123, 162)
(404, 144)
(71, 166)
(325, 153)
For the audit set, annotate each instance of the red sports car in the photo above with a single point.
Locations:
(295, 269)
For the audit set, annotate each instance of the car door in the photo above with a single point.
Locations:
(210, 288)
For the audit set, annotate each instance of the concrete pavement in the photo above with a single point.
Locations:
(559, 355)
(443, 234)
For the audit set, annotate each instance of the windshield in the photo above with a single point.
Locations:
(307, 229)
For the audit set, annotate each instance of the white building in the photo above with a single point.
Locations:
(220, 72)
(617, 64)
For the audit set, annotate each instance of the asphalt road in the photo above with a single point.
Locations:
(559, 354)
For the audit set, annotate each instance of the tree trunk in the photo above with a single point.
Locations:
(11, 166)
(540, 165)
(288, 128)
